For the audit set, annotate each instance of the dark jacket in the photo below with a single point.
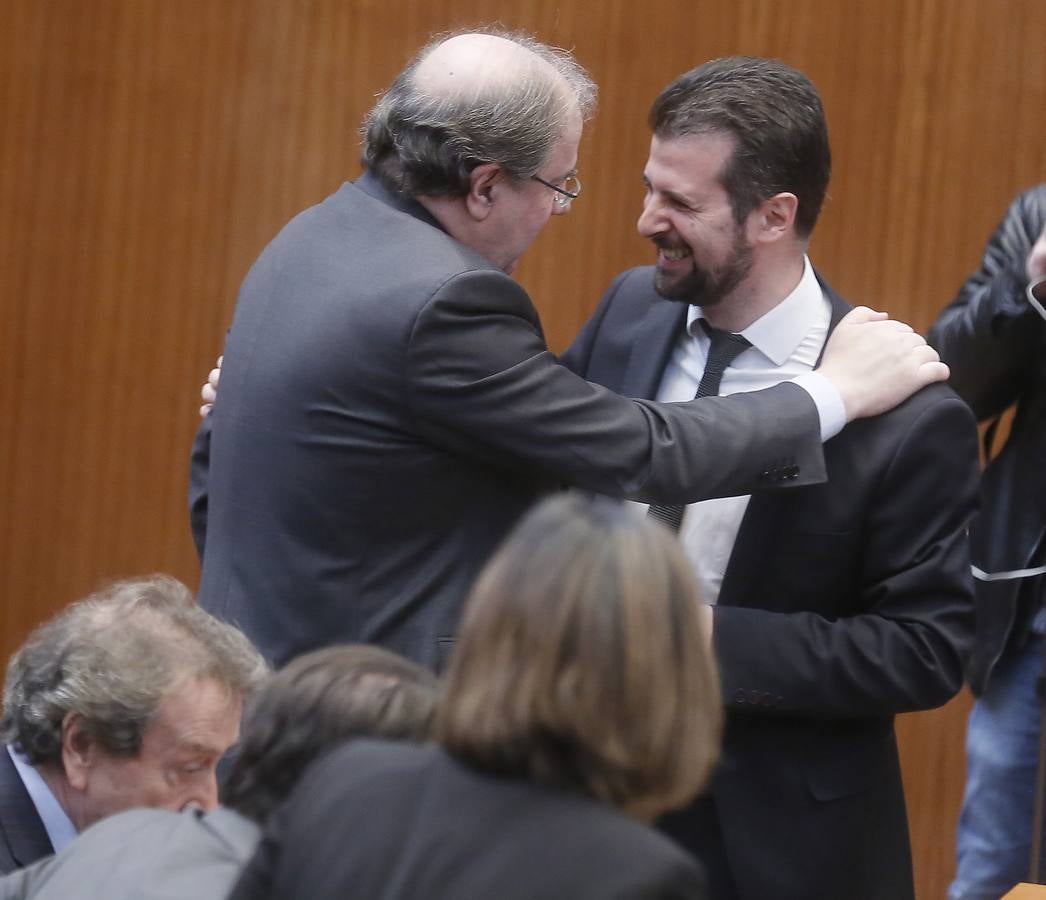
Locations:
(995, 343)
(843, 603)
(23, 838)
(383, 821)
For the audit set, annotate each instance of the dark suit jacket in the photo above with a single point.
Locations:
(995, 343)
(389, 408)
(23, 839)
(843, 603)
(401, 822)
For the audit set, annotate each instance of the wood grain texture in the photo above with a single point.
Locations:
(150, 148)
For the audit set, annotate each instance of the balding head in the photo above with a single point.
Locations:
(470, 99)
(477, 65)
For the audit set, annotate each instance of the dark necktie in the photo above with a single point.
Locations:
(723, 348)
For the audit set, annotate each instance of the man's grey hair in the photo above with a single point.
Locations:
(426, 143)
(112, 658)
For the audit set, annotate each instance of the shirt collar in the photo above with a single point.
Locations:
(777, 333)
(57, 824)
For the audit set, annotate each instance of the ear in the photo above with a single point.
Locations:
(78, 750)
(774, 218)
(484, 182)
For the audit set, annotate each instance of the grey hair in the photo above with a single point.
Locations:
(426, 143)
(112, 658)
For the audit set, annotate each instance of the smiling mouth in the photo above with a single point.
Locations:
(669, 254)
(674, 253)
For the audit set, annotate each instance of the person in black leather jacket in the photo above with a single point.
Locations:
(993, 337)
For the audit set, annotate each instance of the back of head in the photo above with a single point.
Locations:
(472, 98)
(775, 115)
(581, 662)
(316, 702)
(112, 658)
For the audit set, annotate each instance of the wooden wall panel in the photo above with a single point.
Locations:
(150, 148)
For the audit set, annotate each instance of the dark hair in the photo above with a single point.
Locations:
(112, 658)
(426, 143)
(581, 661)
(773, 112)
(316, 702)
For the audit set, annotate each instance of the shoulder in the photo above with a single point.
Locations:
(136, 824)
(634, 285)
(933, 403)
(602, 850)
(932, 435)
(627, 300)
(371, 243)
(365, 762)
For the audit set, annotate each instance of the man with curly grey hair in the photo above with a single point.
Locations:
(128, 698)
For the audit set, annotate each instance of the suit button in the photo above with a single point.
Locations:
(739, 696)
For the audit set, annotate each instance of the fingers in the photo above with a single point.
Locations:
(924, 354)
(210, 390)
(860, 314)
(208, 393)
(929, 372)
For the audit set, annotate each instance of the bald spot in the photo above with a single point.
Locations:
(479, 64)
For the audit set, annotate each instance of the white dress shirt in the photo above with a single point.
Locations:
(786, 342)
(57, 824)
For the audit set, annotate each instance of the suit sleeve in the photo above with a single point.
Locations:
(481, 382)
(903, 646)
(989, 333)
(199, 467)
(23, 883)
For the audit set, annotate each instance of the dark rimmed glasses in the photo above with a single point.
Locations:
(570, 190)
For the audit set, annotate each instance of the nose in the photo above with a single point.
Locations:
(651, 222)
(204, 794)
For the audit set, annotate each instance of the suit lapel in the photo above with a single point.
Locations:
(20, 825)
(652, 348)
(766, 512)
(839, 309)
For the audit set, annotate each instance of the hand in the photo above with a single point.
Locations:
(1035, 265)
(876, 362)
(210, 390)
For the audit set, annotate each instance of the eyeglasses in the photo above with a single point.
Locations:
(571, 189)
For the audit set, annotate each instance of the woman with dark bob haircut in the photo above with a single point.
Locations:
(580, 703)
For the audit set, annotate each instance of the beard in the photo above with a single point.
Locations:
(706, 287)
